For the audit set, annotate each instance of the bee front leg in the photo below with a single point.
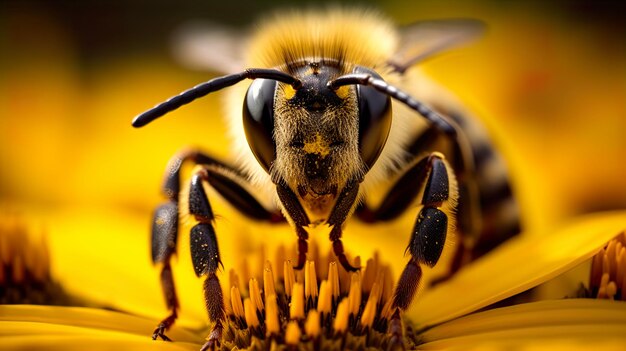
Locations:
(340, 212)
(338, 216)
(299, 217)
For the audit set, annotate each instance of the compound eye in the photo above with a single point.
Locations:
(258, 120)
(374, 119)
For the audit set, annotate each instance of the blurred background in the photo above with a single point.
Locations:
(549, 79)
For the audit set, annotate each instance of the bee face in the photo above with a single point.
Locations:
(316, 138)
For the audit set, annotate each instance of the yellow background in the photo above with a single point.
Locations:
(549, 81)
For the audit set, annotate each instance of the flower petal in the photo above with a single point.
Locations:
(515, 267)
(54, 320)
(103, 256)
(104, 342)
(579, 337)
(552, 318)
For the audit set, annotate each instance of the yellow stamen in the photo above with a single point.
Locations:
(377, 287)
(354, 297)
(324, 303)
(310, 280)
(292, 335)
(341, 319)
(271, 316)
(296, 308)
(611, 290)
(369, 312)
(250, 311)
(255, 294)
(387, 310)
(608, 270)
(289, 277)
(312, 324)
(333, 280)
(268, 280)
(235, 302)
(305, 304)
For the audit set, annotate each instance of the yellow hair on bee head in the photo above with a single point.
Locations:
(351, 36)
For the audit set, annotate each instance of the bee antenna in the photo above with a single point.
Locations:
(212, 85)
(366, 79)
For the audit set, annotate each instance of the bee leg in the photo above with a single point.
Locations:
(205, 255)
(299, 217)
(431, 227)
(340, 212)
(164, 235)
(228, 182)
(303, 247)
(343, 207)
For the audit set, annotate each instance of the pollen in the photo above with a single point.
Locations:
(608, 271)
(317, 146)
(288, 91)
(321, 307)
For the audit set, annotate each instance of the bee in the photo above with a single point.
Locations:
(332, 108)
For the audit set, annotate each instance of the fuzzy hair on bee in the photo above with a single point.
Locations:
(334, 111)
(347, 38)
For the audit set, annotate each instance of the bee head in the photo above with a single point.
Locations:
(316, 123)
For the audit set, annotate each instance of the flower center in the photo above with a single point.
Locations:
(323, 308)
(608, 271)
(25, 267)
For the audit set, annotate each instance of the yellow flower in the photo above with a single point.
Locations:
(126, 303)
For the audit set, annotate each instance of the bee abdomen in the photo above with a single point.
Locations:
(489, 189)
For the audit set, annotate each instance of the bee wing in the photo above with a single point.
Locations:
(209, 47)
(424, 39)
